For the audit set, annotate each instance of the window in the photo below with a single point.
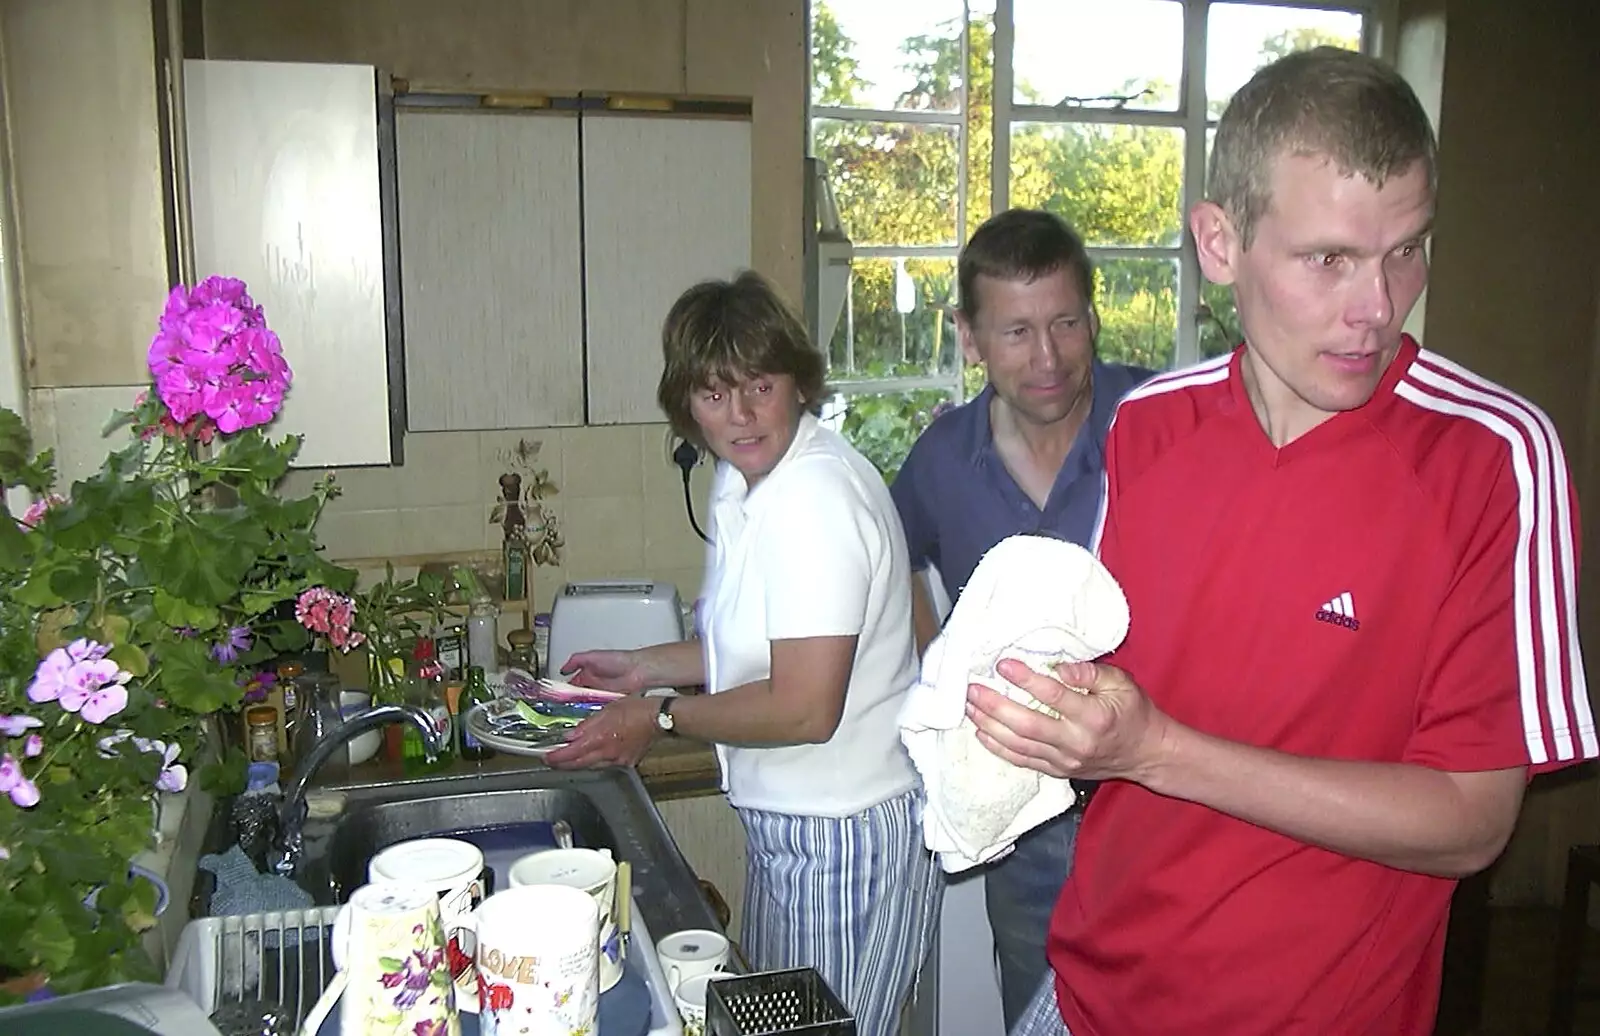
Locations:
(929, 115)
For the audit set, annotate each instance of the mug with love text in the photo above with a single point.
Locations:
(592, 870)
(537, 962)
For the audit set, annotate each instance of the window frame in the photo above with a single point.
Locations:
(1379, 17)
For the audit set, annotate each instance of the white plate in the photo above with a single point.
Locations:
(478, 726)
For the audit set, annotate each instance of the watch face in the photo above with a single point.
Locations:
(664, 718)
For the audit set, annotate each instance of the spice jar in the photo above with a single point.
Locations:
(261, 733)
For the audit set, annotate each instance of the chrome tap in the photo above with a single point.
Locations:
(292, 814)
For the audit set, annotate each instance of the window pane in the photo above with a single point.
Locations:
(1219, 323)
(1241, 38)
(895, 183)
(1098, 54)
(1117, 185)
(1138, 306)
(886, 54)
(899, 320)
(883, 425)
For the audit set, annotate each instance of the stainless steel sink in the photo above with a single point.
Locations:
(606, 809)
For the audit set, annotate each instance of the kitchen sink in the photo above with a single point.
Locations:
(506, 814)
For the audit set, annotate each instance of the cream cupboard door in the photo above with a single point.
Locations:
(285, 195)
(491, 269)
(666, 203)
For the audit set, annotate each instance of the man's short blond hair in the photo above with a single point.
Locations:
(1352, 109)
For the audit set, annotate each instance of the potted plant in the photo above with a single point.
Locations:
(134, 606)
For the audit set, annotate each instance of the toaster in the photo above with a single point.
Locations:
(617, 614)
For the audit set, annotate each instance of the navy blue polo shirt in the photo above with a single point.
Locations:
(956, 498)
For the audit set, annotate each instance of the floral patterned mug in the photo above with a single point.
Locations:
(538, 962)
(393, 950)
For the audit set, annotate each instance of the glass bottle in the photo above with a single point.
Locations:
(425, 689)
(476, 692)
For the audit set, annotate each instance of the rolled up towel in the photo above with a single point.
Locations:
(1042, 601)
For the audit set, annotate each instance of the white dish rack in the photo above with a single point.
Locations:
(241, 969)
(276, 963)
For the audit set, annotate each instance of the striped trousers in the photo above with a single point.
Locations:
(1042, 1017)
(854, 897)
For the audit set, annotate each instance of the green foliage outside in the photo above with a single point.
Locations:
(895, 184)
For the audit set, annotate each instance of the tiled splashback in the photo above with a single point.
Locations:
(619, 505)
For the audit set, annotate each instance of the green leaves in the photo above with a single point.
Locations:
(191, 680)
(18, 465)
(179, 613)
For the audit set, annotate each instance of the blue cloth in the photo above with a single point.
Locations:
(241, 889)
(956, 498)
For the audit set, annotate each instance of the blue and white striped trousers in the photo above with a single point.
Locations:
(854, 897)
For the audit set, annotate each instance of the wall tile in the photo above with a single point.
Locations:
(71, 421)
(359, 534)
(603, 462)
(604, 536)
(441, 468)
(447, 528)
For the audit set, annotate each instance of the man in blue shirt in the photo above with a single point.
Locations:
(1025, 456)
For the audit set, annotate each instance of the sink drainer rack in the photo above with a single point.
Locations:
(256, 972)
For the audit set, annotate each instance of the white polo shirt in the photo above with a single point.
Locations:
(815, 550)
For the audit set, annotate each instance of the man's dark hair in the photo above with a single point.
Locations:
(1022, 244)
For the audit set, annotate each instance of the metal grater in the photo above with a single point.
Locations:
(770, 1003)
(256, 974)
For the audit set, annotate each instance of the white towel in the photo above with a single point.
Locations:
(1042, 601)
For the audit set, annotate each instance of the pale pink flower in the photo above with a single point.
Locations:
(50, 679)
(16, 726)
(32, 746)
(23, 792)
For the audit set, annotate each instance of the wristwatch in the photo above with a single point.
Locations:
(664, 721)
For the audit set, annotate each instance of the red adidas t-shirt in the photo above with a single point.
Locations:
(1399, 585)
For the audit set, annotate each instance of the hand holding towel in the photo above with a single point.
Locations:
(1039, 600)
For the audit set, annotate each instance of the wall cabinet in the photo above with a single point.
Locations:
(285, 193)
(541, 251)
(495, 269)
(491, 269)
(666, 205)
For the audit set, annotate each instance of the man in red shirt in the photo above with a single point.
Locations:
(1352, 571)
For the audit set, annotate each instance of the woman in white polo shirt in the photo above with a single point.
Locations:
(807, 653)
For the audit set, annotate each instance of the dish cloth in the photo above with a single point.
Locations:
(1039, 600)
(241, 889)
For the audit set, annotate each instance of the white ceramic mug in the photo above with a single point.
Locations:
(453, 869)
(691, 952)
(392, 947)
(690, 996)
(537, 963)
(593, 871)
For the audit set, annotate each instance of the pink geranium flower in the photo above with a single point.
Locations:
(36, 510)
(320, 610)
(213, 355)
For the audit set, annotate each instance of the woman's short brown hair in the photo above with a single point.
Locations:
(726, 331)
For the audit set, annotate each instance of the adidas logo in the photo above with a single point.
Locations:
(1341, 611)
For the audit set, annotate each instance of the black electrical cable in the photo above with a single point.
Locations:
(685, 457)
